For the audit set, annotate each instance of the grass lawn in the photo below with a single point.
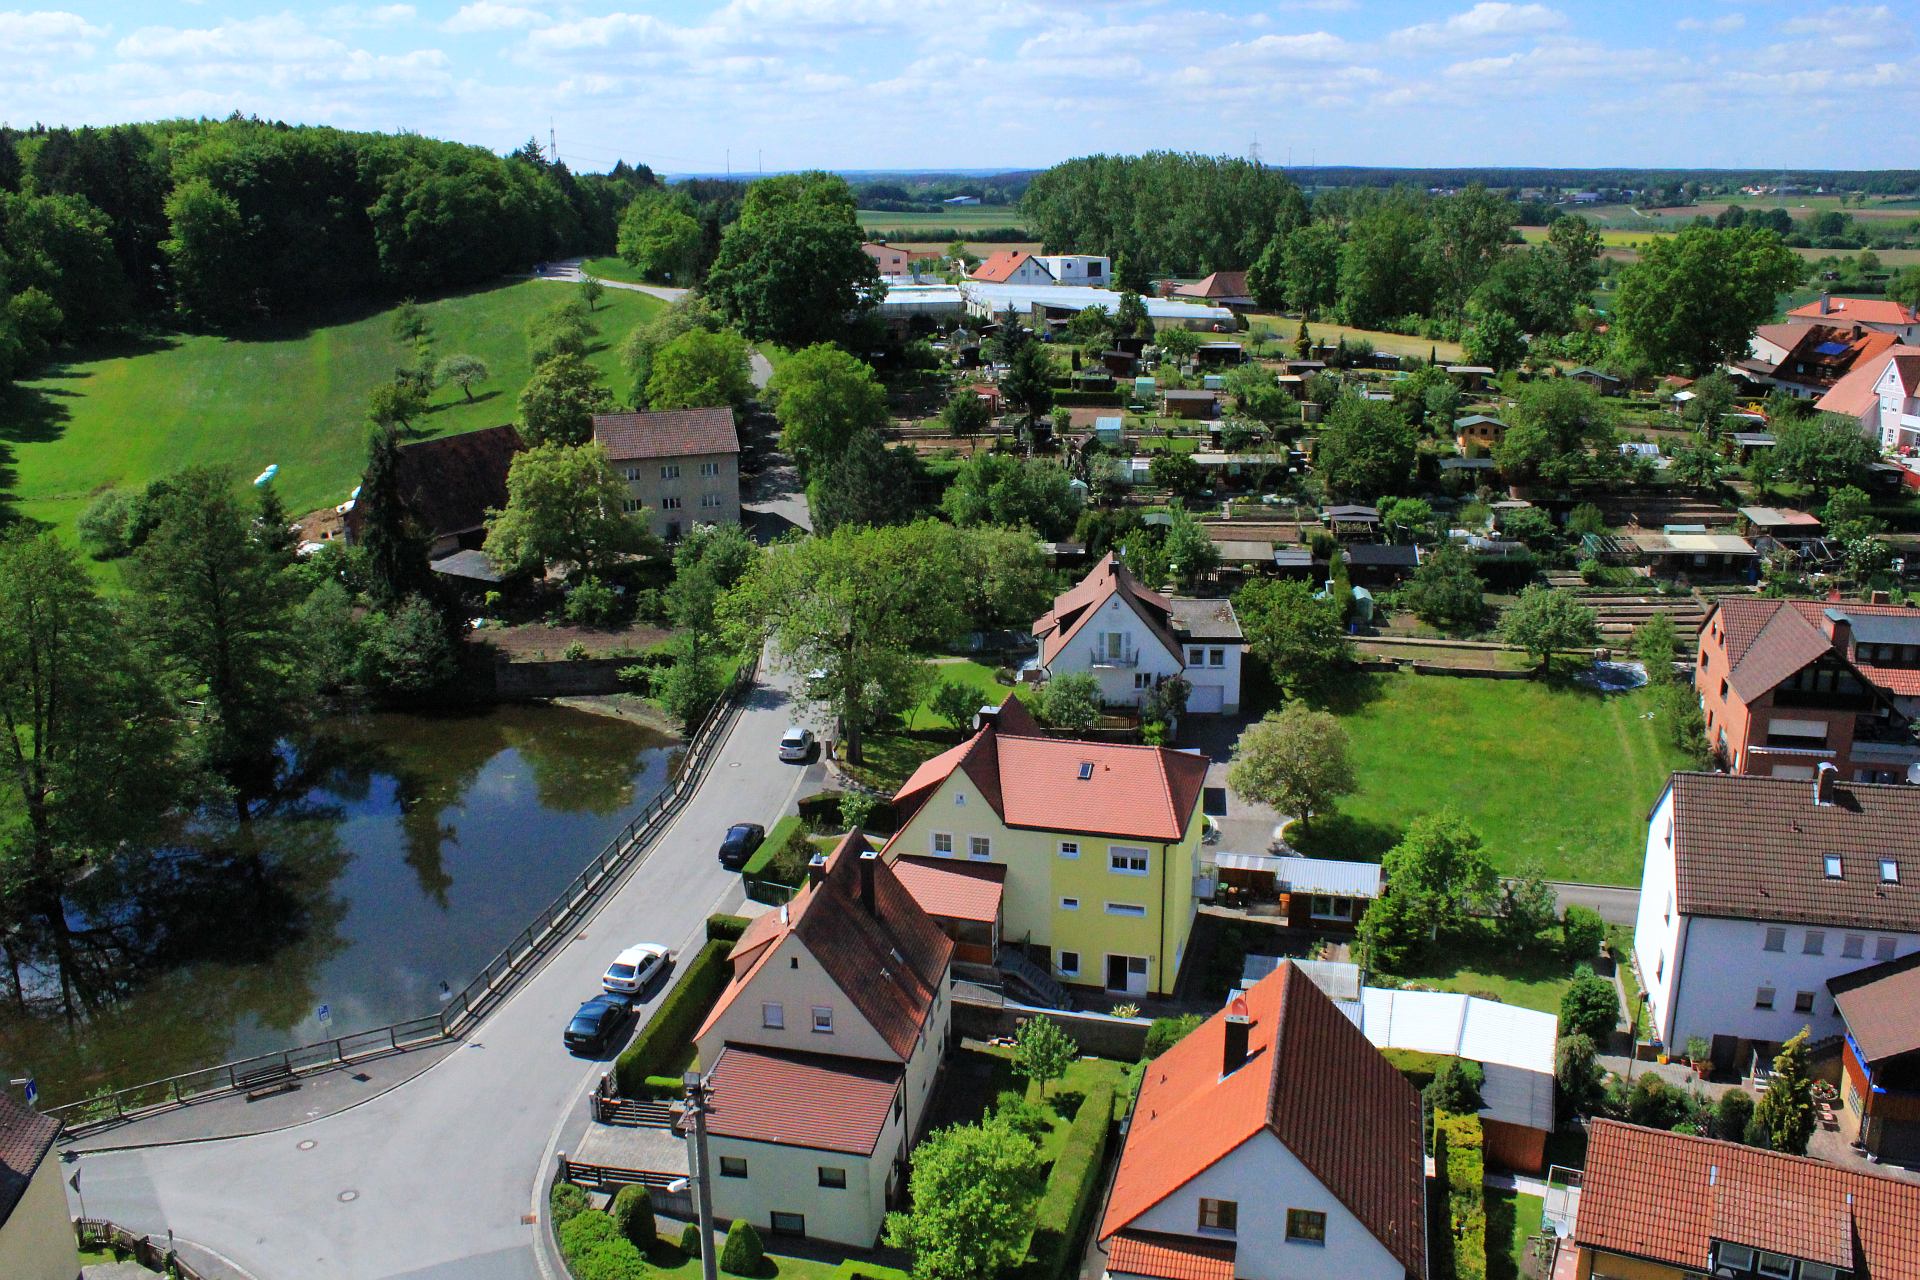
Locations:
(666, 1260)
(1493, 749)
(965, 217)
(975, 675)
(1535, 981)
(295, 396)
(1284, 327)
(613, 268)
(1512, 1218)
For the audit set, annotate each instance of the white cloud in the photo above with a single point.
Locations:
(1855, 28)
(349, 17)
(47, 33)
(1487, 21)
(1719, 26)
(485, 15)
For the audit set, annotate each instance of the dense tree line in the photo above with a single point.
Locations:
(222, 222)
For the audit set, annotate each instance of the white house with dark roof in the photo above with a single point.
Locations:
(682, 466)
(1757, 891)
(823, 1049)
(1131, 640)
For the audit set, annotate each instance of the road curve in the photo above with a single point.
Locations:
(435, 1179)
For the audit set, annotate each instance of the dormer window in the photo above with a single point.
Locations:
(1833, 866)
(1889, 871)
(1086, 770)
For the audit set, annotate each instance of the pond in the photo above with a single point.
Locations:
(405, 852)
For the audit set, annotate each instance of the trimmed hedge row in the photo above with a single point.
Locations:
(1460, 1165)
(592, 1245)
(661, 1045)
(1073, 1185)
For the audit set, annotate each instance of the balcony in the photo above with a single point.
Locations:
(1126, 658)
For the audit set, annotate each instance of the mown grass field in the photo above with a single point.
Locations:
(966, 217)
(1400, 344)
(295, 396)
(1548, 773)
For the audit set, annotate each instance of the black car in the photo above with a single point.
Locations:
(741, 840)
(597, 1021)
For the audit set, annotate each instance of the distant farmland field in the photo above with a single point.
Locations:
(962, 218)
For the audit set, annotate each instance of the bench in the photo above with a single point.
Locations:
(264, 1082)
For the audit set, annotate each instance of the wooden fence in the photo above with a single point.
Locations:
(98, 1233)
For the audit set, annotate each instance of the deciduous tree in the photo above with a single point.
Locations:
(463, 371)
(822, 397)
(1365, 449)
(1297, 760)
(1042, 1052)
(1300, 638)
(791, 269)
(564, 507)
(1693, 299)
(1441, 866)
(1445, 591)
(699, 369)
(999, 489)
(559, 401)
(972, 1192)
(1544, 621)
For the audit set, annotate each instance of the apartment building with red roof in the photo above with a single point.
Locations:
(824, 1047)
(1758, 892)
(1882, 394)
(1656, 1205)
(1881, 314)
(1808, 360)
(1012, 266)
(1099, 843)
(682, 466)
(1273, 1142)
(1788, 685)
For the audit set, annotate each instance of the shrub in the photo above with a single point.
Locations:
(725, 928)
(788, 865)
(1167, 1032)
(661, 1044)
(1577, 1072)
(690, 1239)
(1460, 1163)
(566, 1202)
(1656, 1104)
(632, 1213)
(103, 525)
(1732, 1114)
(1013, 1109)
(1590, 1007)
(1581, 930)
(593, 603)
(585, 1230)
(742, 1252)
(1073, 1185)
(615, 1260)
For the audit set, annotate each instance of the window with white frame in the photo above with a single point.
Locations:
(1832, 864)
(670, 471)
(943, 844)
(979, 847)
(1196, 656)
(1069, 848)
(773, 1016)
(1306, 1226)
(1216, 657)
(1889, 871)
(1125, 909)
(669, 504)
(1219, 1215)
(1068, 964)
(1142, 680)
(1069, 904)
(711, 499)
(1736, 1256)
(633, 473)
(709, 468)
(1127, 861)
(823, 1019)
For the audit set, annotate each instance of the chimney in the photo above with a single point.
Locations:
(1238, 1028)
(1839, 631)
(1826, 303)
(867, 860)
(1823, 783)
(816, 869)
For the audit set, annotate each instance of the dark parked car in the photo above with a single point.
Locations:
(741, 840)
(598, 1021)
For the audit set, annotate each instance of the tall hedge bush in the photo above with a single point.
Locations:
(1460, 1161)
(661, 1044)
(1073, 1184)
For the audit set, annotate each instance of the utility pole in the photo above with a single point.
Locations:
(703, 1181)
(553, 144)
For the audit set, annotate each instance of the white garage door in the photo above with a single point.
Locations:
(1206, 699)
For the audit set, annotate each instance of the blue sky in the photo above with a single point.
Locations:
(683, 84)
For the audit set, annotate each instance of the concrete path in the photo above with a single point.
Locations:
(441, 1177)
(568, 272)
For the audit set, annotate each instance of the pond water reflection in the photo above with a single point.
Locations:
(407, 850)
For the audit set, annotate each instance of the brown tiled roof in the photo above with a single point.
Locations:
(1753, 848)
(1313, 1081)
(25, 1138)
(1742, 617)
(668, 433)
(1864, 310)
(1221, 284)
(813, 1100)
(954, 890)
(1170, 1257)
(1001, 264)
(1903, 682)
(1787, 643)
(1072, 609)
(449, 483)
(1765, 646)
(1881, 1007)
(889, 958)
(1854, 394)
(1647, 1193)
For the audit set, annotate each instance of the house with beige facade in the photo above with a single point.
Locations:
(1099, 845)
(36, 1237)
(682, 466)
(822, 1052)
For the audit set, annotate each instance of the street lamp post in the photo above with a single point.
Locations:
(703, 1182)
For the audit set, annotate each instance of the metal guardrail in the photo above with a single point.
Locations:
(495, 979)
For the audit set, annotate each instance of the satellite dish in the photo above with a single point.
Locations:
(1913, 773)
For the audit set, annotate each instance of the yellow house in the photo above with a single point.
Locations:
(1100, 843)
(36, 1238)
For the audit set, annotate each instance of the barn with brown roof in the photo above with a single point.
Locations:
(448, 485)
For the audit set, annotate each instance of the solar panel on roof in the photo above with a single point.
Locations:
(1830, 348)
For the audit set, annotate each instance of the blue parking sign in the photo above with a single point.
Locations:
(324, 1013)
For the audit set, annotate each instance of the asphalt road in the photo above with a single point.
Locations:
(436, 1179)
(1616, 905)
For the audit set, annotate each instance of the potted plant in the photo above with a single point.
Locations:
(1700, 1054)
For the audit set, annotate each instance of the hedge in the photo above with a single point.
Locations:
(777, 835)
(1460, 1165)
(660, 1048)
(726, 928)
(1073, 1185)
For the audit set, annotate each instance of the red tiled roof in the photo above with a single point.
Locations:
(1902, 682)
(25, 1138)
(1754, 848)
(1072, 609)
(1783, 646)
(667, 433)
(954, 890)
(449, 483)
(889, 958)
(1647, 1193)
(1313, 1081)
(816, 1100)
(1001, 264)
(1881, 1007)
(1170, 1257)
(1221, 284)
(1769, 640)
(1854, 394)
(1860, 310)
